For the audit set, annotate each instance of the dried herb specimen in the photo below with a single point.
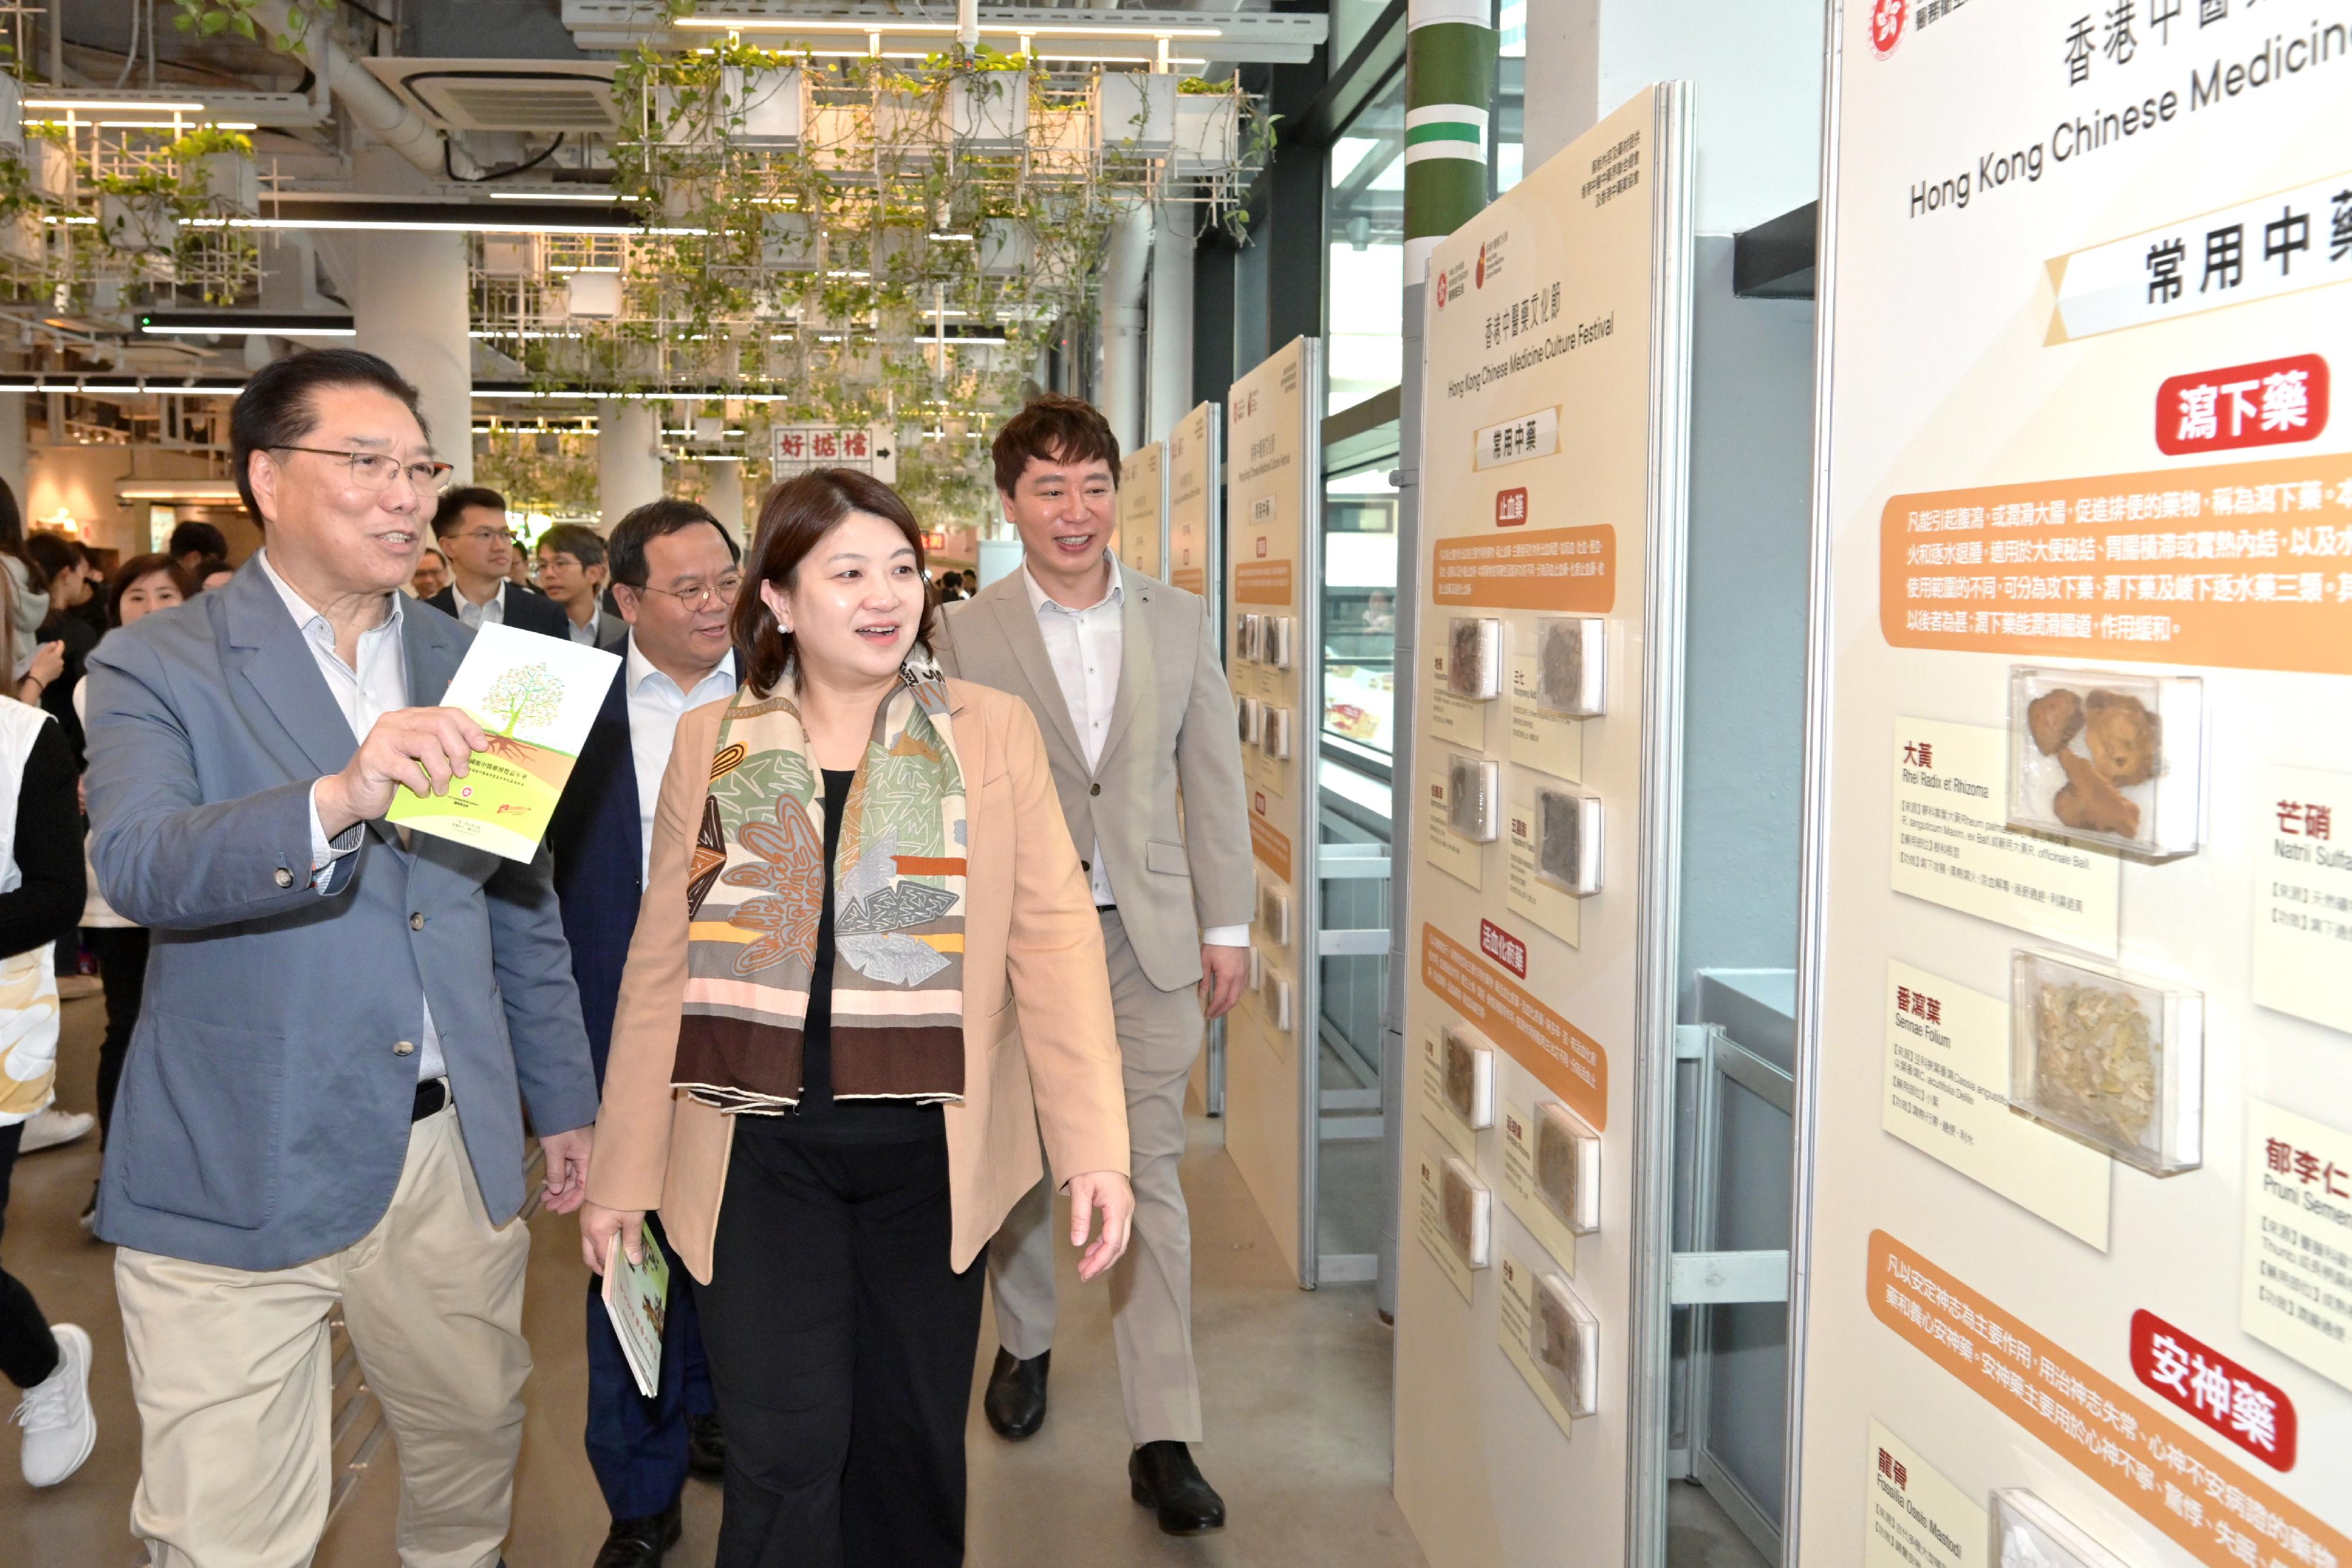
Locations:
(2095, 1059)
(1461, 1076)
(1557, 1168)
(2090, 802)
(1557, 1344)
(2054, 718)
(2122, 737)
(1470, 658)
(1458, 1210)
(1559, 667)
(1560, 838)
(1470, 796)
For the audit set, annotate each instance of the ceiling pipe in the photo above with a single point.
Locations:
(967, 26)
(370, 102)
(1122, 313)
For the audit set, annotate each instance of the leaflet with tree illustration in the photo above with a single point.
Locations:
(536, 697)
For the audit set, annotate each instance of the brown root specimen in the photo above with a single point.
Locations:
(2122, 737)
(2052, 719)
(2090, 803)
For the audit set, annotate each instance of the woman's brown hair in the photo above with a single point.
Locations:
(796, 516)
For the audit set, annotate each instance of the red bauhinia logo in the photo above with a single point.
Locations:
(1886, 24)
(2266, 404)
(1503, 947)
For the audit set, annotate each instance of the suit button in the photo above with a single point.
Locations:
(284, 878)
(416, 920)
(1094, 788)
(404, 1048)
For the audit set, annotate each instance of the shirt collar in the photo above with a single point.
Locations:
(640, 669)
(1040, 601)
(307, 614)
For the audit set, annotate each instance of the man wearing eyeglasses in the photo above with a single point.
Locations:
(675, 573)
(470, 526)
(323, 1105)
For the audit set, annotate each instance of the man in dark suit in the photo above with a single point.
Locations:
(675, 573)
(470, 527)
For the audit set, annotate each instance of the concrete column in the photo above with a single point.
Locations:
(15, 460)
(1120, 396)
(1169, 347)
(629, 459)
(408, 294)
(723, 492)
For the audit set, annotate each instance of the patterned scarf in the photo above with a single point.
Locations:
(756, 894)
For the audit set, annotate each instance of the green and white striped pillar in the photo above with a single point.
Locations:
(1449, 97)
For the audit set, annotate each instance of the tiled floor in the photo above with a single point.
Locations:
(1295, 1385)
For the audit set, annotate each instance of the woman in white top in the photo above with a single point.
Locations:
(41, 892)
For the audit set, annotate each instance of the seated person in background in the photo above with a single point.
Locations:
(430, 575)
(572, 573)
(470, 527)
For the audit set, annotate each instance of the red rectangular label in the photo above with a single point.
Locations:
(1511, 508)
(1503, 947)
(2267, 403)
(2244, 1407)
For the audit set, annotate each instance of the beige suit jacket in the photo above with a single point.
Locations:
(1175, 873)
(1037, 1027)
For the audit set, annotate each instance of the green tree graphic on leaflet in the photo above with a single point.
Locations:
(526, 694)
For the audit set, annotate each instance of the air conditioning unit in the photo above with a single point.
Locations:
(537, 98)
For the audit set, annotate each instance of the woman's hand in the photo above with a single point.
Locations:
(1109, 1191)
(599, 1224)
(48, 663)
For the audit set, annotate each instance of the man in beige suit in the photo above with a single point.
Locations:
(1122, 674)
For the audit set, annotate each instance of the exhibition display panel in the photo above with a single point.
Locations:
(2075, 1076)
(1532, 1348)
(1144, 510)
(1273, 500)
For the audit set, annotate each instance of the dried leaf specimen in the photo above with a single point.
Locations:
(1558, 1342)
(1559, 667)
(2054, 718)
(2095, 1059)
(2122, 737)
(1459, 1203)
(1558, 1166)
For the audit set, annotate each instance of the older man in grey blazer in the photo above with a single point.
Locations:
(324, 1100)
(1122, 674)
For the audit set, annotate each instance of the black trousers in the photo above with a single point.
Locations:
(122, 970)
(840, 1347)
(29, 1351)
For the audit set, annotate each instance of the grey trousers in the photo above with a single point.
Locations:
(1152, 1286)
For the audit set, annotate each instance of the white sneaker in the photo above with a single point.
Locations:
(47, 1129)
(61, 1428)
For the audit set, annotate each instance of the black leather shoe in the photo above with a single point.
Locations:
(640, 1543)
(705, 1449)
(1164, 1478)
(1015, 1402)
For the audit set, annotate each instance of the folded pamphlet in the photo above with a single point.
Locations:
(536, 696)
(637, 1298)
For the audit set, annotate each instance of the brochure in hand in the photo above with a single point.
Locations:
(536, 697)
(636, 1297)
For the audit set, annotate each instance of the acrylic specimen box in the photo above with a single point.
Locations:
(1471, 807)
(2114, 1060)
(1568, 1167)
(1464, 1211)
(2029, 1533)
(1468, 1064)
(1564, 1341)
(1572, 653)
(2108, 758)
(1567, 839)
(1474, 658)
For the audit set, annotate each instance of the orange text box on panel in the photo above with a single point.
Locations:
(2211, 1506)
(1571, 570)
(2244, 565)
(1568, 1060)
(1262, 581)
(1269, 845)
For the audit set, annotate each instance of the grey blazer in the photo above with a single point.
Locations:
(263, 1115)
(1176, 872)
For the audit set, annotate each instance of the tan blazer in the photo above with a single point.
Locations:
(1175, 875)
(1037, 1027)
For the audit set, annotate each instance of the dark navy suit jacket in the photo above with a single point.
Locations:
(595, 839)
(524, 609)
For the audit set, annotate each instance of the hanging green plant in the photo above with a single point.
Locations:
(209, 18)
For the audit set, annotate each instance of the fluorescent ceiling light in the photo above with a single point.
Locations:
(228, 331)
(553, 196)
(409, 226)
(885, 28)
(101, 106)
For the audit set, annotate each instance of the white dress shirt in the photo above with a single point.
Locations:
(655, 707)
(1085, 648)
(376, 686)
(476, 616)
(580, 633)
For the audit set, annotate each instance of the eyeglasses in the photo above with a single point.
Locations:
(492, 536)
(372, 471)
(723, 592)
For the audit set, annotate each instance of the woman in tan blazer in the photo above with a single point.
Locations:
(867, 972)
